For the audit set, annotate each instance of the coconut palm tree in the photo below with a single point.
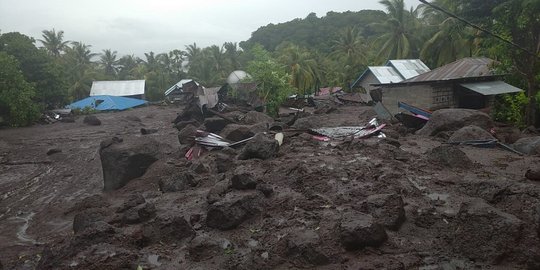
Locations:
(398, 40)
(300, 65)
(450, 39)
(109, 63)
(53, 42)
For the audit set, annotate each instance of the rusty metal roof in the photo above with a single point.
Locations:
(463, 68)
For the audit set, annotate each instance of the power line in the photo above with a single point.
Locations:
(480, 28)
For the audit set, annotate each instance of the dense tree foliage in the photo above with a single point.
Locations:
(304, 54)
(16, 105)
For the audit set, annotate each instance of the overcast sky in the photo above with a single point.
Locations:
(138, 26)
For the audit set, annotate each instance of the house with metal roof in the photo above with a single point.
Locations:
(466, 83)
(393, 72)
(133, 88)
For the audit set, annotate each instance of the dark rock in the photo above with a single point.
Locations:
(146, 131)
(87, 218)
(266, 189)
(259, 147)
(178, 182)
(53, 151)
(187, 134)
(325, 109)
(224, 162)
(139, 214)
(215, 124)
(203, 248)
(358, 230)
(450, 156)
(528, 146)
(470, 133)
(233, 209)
(167, 229)
(303, 245)
(127, 160)
(454, 119)
(181, 125)
(482, 232)
(199, 167)
(93, 201)
(387, 209)
(533, 174)
(217, 191)
(254, 117)
(92, 120)
(94, 233)
(132, 201)
(306, 123)
(243, 178)
(235, 132)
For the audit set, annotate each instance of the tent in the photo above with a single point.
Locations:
(107, 103)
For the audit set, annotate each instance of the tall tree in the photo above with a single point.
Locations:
(450, 40)
(301, 66)
(54, 42)
(16, 104)
(398, 40)
(109, 63)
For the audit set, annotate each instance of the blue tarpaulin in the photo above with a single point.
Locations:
(107, 103)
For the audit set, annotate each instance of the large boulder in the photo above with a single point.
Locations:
(203, 247)
(215, 124)
(255, 117)
(529, 145)
(178, 182)
(124, 160)
(454, 119)
(235, 132)
(233, 209)
(167, 229)
(259, 147)
(91, 120)
(470, 133)
(387, 209)
(243, 178)
(482, 232)
(358, 230)
(87, 218)
(533, 173)
(449, 156)
(303, 245)
(187, 134)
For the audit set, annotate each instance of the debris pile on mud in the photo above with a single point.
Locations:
(401, 202)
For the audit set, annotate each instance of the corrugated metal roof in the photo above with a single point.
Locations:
(463, 68)
(409, 68)
(117, 88)
(107, 103)
(491, 88)
(386, 74)
(178, 85)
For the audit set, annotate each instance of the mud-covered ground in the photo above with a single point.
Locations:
(435, 216)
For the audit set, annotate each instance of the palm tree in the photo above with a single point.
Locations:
(233, 54)
(53, 42)
(450, 40)
(80, 53)
(108, 62)
(192, 52)
(397, 42)
(126, 67)
(301, 66)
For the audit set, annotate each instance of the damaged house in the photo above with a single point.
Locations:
(394, 71)
(467, 83)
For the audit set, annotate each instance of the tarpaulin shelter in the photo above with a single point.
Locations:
(107, 103)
